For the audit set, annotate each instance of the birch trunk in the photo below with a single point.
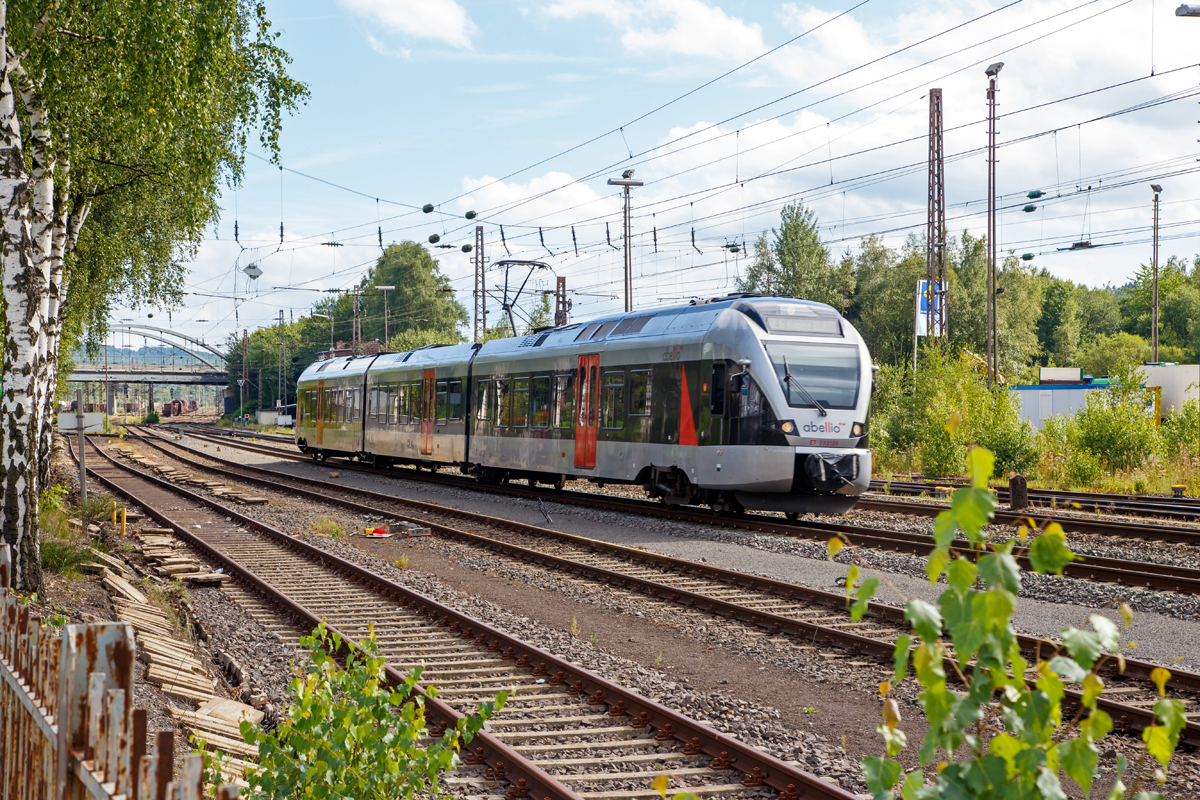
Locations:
(23, 286)
(62, 242)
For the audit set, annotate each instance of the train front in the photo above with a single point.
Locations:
(799, 393)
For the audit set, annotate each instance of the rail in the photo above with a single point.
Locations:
(68, 727)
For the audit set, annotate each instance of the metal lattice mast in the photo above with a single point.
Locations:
(560, 301)
(993, 343)
(480, 299)
(935, 229)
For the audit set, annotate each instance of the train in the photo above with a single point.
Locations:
(743, 402)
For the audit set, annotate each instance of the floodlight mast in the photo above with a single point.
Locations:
(627, 181)
(1187, 11)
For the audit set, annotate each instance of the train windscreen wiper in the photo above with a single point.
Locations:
(790, 381)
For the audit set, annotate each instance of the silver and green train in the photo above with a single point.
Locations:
(741, 402)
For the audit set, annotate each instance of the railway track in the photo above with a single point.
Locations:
(1177, 508)
(1184, 580)
(809, 616)
(566, 734)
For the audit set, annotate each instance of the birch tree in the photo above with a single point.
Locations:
(134, 111)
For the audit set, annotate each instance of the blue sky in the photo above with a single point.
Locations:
(470, 105)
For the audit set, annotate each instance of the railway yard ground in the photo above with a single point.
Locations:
(806, 702)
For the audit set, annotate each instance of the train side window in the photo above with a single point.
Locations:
(454, 400)
(639, 323)
(416, 402)
(564, 398)
(640, 387)
(613, 399)
(587, 332)
(540, 402)
(593, 393)
(390, 414)
(718, 389)
(503, 403)
(605, 328)
(482, 395)
(520, 403)
(440, 404)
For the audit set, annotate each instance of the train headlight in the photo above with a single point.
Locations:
(857, 429)
(787, 426)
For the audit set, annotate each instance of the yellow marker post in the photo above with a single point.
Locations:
(122, 521)
(114, 512)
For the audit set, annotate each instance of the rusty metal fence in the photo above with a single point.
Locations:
(68, 728)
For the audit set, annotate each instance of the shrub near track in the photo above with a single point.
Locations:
(1019, 742)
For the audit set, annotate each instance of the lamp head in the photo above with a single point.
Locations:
(627, 174)
(1155, 188)
(994, 69)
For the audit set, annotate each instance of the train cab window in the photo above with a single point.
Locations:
(520, 403)
(640, 385)
(605, 328)
(587, 332)
(483, 407)
(454, 400)
(613, 401)
(539, 410)
(503, 403)
(564, 401)
(441, 414)
(718, 389)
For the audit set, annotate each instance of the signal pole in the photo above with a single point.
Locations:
(281, 397)
(1154, 269)
(560, 302)
(480, 297)
(935, 228)
(993, 346)
(627, 181)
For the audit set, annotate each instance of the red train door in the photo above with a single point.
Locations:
(588, 398)
(427, 413)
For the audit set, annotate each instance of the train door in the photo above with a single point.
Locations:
(588, 398)
(320, 410)
(427, 413)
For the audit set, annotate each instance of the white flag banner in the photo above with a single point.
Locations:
(927, 299)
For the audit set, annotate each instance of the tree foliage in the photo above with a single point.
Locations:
(797, 264)
(1005, 712)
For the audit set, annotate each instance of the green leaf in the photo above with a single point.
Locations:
(1093, 685)
(1078, 758)
(960, 574)
(982, 464)
(1110, 636)
(900, 656)
(1049, 552)
(912, 783)
(1084, 646)
(1158, 743)
(972, 509)
(1047, 783)
(1000, 569)
(1097, 725)
(925, 619)
(852, 580)
(881, 773)
(864, 595)
(1171, 714)
(1068, 669)
(936, 563)
(944, 527)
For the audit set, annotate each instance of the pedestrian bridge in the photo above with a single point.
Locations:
(197, 375)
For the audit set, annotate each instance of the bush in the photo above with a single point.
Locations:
(1114, 423)
(1030, 743)
(151, 419)
(347, 733)
(1083, 467)
(1181, 431)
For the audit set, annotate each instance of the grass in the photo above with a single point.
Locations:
(164, 598)
(327, 527)
(401, 562)
(64, 547)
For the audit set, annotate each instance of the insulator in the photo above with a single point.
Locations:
(1028, 208)
(1035, 194)
(471, 215)
(466, 248)
(1027, 257)
(427, 208)
(434, 238)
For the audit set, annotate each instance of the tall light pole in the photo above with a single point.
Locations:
(993, 345)
(330, 318)
(1185, 10)
(627, 181)
(1157, 189)
(385, 290)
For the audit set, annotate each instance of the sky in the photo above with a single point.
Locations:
(519, 111)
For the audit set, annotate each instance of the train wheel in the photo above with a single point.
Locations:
(560, 482)
(533, 483)
(792, 516)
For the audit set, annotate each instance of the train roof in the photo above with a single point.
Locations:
(692, 318)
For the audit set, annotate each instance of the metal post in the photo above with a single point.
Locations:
(281, 397)
(1154, 270)
(626, 181)
(935, 229)
(480, 297)
(560, 301)
(993, 346)
(79, 429)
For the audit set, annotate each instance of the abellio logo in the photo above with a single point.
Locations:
(824, 427)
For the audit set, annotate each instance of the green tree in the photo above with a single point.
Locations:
(132, 113)
(1104, 354)
(1018, 310)
(1099, 312)
(882, 310)
(1058, 328)
(968, 293)
(422, 300)
(798, 264)
(1137, 297)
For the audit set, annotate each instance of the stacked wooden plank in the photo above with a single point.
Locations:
(170, 559)
(182, 478)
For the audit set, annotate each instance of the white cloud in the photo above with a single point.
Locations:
(440, 20)
(683, 27)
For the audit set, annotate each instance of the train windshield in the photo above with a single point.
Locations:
(827, 373)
